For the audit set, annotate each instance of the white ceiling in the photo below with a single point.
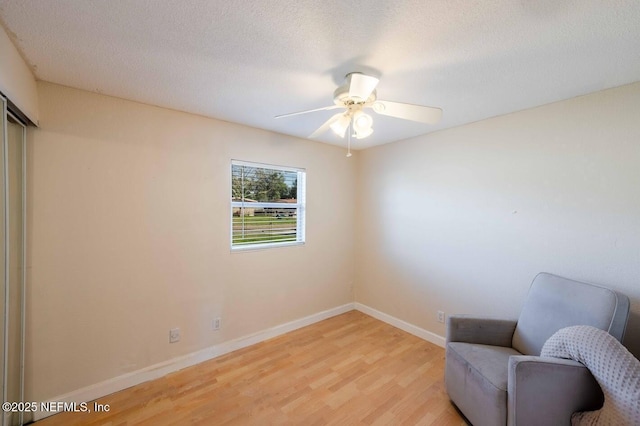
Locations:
(246, 61)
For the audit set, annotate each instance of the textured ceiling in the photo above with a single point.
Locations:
(246, 61)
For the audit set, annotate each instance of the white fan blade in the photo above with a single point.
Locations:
(420, 113)
(361, 86)
(309, 110)
(320, 130)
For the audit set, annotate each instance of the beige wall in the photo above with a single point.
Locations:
(461, 220)
(128, 236)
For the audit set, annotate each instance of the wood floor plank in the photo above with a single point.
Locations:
(347, 370)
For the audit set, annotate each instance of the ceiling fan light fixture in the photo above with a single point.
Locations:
(363, 133)
(340, 126)
(362, 123)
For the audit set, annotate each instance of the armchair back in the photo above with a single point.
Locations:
(554, 302)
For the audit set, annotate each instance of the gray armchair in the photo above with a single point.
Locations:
(493, 371)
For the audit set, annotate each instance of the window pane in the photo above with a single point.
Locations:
(251, 184)
(259, 225)
(267, 205)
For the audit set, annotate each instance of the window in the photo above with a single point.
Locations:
(267, 205)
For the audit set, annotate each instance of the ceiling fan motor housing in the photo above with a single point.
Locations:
(341, 97)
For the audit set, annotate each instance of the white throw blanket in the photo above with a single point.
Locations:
(616, 370)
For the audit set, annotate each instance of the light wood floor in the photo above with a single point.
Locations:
(348, 370)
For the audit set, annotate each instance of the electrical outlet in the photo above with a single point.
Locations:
(440, 316)
(174, 335)
(216, 323)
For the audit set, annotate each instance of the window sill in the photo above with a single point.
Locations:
(253, 247)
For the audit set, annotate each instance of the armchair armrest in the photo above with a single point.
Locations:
(484, 331)
(546, 391)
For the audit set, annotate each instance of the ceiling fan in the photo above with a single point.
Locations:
(358, 93)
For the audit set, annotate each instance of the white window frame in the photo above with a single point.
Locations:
(300, 206)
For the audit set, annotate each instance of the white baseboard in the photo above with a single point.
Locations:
(402, 325)
(156, 371)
